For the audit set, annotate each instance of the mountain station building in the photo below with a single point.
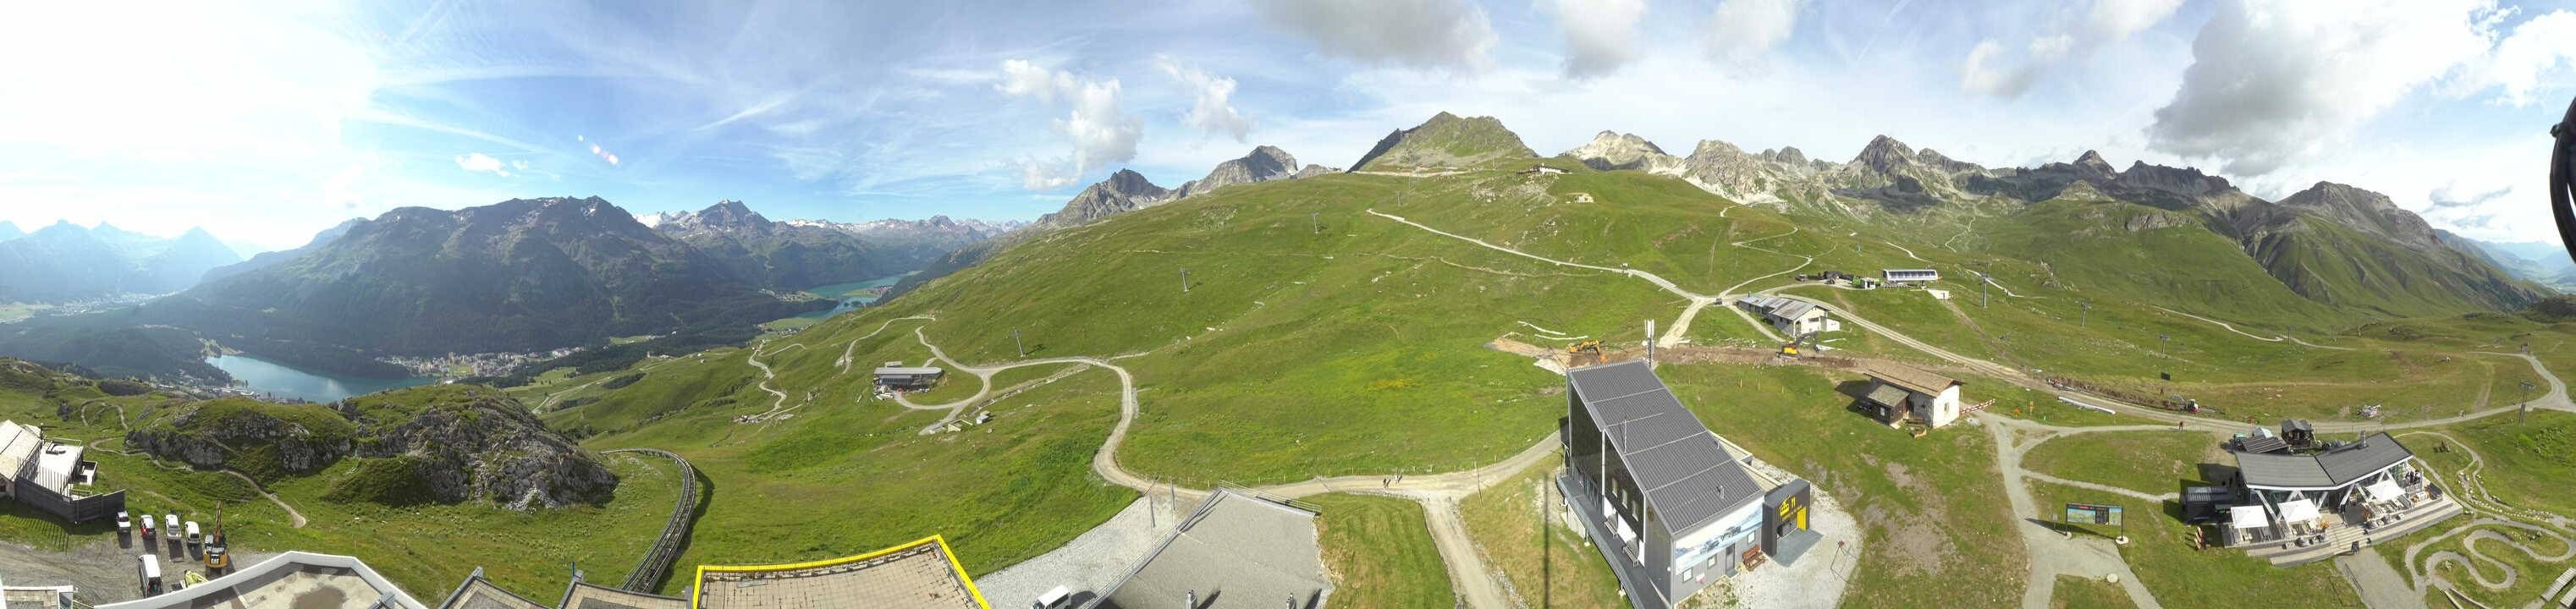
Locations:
(895, 375)
(2298, 508)
(1671, 506)
(1789, 316)
(51, 476)
(1910, 276)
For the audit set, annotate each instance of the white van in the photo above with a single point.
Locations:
(170, 526)
(1059, 598)
(150, 571)
(193, 537)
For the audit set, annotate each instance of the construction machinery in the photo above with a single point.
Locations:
(217, 556)
(1584, 353)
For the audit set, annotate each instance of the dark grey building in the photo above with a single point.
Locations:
(1669, 504)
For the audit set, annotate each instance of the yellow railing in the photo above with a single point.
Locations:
(698, 590)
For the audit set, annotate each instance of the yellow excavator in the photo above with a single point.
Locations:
(1583, 352)
(217, 556)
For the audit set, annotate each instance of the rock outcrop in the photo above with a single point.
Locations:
(445, 444)
(1265, 163)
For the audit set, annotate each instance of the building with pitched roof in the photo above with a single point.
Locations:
(1671, 506)
(2297, 508)
(294, 580)
(1899, 393)
(52, 476)
(1238, 550)
(1790, 316)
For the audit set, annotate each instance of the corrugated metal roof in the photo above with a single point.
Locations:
(1911, 378)
(1687, 475)
(2329, 469)
(18, 444)
(1795, 309)
(1887, 394)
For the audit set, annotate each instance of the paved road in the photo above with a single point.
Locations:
(2380, 586)
(1439, 493)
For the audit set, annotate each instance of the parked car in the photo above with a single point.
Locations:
(124, 524)
(1058, 598)
(143, 528)
(193, 537)
(170, 526)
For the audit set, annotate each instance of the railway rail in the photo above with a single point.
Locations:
(658, 560)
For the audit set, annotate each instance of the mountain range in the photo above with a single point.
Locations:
(2332, 243)
(1127, 191)
(65, 262)
(799, 254)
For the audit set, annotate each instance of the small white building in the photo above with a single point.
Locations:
(1541, 170)
(1904, 393)
(1791, 317)
(1910, 276)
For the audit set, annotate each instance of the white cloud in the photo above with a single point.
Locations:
(2538, 51)
(478, 162)
(1744, 30)
(1211, 99)
(2273, 82)
(1987, 71)
(1444, 34)
(2117, 19)
(1990, 70)
(1101, 132)
(1600, 35)
(1021, 77)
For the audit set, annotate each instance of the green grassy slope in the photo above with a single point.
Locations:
(1380, 553)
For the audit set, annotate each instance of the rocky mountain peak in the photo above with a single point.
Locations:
(727, 213)
(2093, 160)
(1444, 141)
(1263, 164)
(1611, 151)
(1883, 155)
(1128, 182)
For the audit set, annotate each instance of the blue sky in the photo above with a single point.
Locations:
(265, 124)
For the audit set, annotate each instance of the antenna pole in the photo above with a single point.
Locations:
(1015, 342)
(1185, 281)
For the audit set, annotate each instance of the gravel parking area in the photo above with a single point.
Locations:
(103, 570)
(1821, 575)
(1089, 564)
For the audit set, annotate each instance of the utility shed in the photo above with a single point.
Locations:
(1900, 393)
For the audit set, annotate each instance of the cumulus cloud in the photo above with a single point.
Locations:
(1020, 77)
(2539, 50)
(1600, 35)
(1211, 106)
(2270, 83)
(481, 163)
(1744, 30)
(1442, 34)
(1100, 131)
